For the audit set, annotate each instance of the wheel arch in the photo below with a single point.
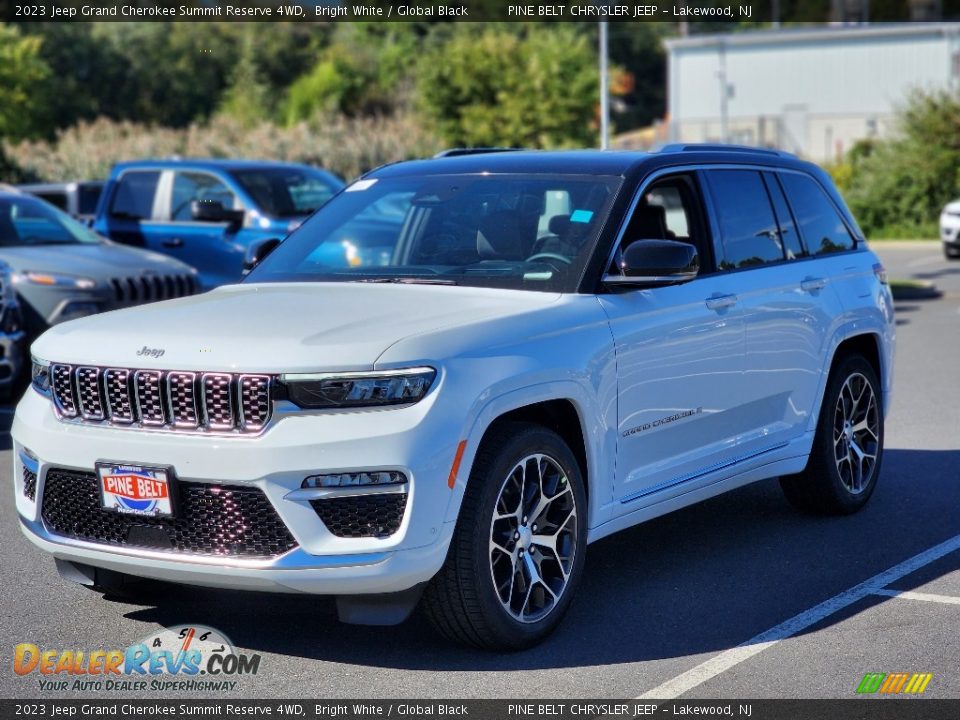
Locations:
(864, 342)
(564, 408)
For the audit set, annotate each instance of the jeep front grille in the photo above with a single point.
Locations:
(147, 288)
(160, 399)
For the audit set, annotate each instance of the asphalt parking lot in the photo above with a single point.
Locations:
(738, 597)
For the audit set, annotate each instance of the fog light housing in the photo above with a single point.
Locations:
(376, 478)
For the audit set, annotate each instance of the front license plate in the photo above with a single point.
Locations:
(136, 489)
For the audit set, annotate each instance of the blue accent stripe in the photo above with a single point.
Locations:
(667, 484)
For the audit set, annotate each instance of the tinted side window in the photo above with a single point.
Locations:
(670, 209)
(189, 186)
(821, 227)
(133, 198)
(747, 226)
(788, 228)
(54, 198)
(89, 195)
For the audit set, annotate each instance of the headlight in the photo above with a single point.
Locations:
(40, 376)
(54, 279)
(373, 389)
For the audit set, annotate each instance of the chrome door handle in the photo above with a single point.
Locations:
(812, 284)
(173, 243)
(721, 302)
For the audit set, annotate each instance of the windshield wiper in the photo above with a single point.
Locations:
(406, 281)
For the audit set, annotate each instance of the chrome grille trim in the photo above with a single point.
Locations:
(63, 393)
(165, 400)
(148, 385)
(217, 393)
(89, 394)
(254, 396)
(117, 387)
(182, 397)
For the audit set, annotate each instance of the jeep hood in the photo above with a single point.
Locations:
(275, 328)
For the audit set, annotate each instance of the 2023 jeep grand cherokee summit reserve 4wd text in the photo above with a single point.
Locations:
(555, 347)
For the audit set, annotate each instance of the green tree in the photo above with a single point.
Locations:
(533, 86)
(22, 73)
(903, 183)
(246, 98)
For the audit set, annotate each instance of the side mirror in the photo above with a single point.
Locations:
(213, 211)
(655, 263)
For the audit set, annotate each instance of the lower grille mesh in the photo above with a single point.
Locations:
(362, 516)
(29, 483)
(210, 519)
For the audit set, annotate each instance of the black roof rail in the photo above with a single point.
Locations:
(457, 152)
(718, 147)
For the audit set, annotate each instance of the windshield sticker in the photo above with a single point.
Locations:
(360, 185)
(581, 216)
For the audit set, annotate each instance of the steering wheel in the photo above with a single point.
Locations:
(550, 256)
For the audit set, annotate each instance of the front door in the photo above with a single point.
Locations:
(680, 358)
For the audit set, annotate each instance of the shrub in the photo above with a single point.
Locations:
(347, 146)
(901, 184)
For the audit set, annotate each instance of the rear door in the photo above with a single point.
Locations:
(679, 357)
(787, 306)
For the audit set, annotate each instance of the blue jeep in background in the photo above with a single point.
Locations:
(220, 216)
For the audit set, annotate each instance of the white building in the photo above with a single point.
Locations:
(814, 92)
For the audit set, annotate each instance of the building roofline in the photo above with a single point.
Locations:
(830, 32)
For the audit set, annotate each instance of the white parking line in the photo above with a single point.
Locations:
(926, 597)
(734, 656)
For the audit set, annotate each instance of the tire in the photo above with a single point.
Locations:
(950, 253)
(483, 595)
(831, 484)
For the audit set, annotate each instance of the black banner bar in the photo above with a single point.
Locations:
(698, 11)
(863, 708)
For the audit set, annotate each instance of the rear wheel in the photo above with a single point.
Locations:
(951, 253)
(516, 556)
(844, 463)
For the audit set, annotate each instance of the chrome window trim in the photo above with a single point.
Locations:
(706, 202)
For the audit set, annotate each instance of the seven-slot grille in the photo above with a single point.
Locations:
(147, 288)
(169, 400)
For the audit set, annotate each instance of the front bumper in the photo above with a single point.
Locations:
(404, 439)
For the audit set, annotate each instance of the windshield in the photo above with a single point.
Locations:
(287, 192)
(26, 221)
(529, 232)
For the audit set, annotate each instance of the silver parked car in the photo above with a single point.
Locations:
(78, 199)
(63, 270)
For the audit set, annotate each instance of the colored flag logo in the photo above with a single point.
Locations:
(894, 683)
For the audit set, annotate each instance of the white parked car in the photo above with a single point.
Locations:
(950, 230)
(548, 356)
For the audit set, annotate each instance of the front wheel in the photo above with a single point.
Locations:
(844, 463)
(517, 554)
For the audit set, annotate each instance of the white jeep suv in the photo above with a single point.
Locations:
(458, 373)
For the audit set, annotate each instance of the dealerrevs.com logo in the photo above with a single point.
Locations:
(181, 658)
